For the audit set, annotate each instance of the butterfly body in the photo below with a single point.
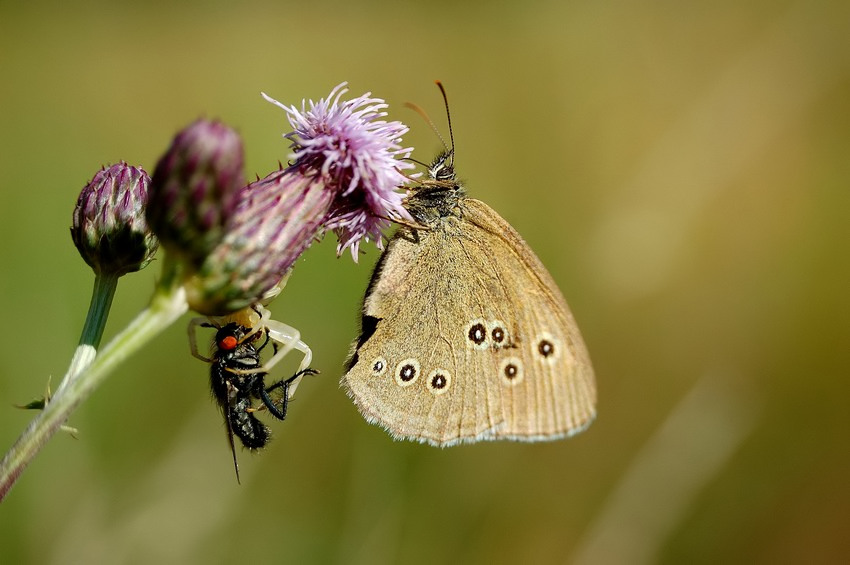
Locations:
(465, 336)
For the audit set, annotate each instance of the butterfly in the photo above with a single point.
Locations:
(464, 334)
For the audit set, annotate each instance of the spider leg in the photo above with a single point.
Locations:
(194, 323)
(289, 338)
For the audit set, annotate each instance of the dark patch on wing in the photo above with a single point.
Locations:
(368, 325)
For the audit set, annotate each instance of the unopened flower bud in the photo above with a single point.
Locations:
(109, 226)
(194, 188)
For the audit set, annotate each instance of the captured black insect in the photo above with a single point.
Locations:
(237, 379)
(237, 374)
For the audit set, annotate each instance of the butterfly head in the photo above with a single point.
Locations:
(436, 196)
(442, 168)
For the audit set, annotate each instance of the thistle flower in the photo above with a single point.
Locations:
(108, 224)
(239, 242)
(357, 155)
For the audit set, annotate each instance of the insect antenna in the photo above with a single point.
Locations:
(418, 109)
(417, 161)
(449, 119)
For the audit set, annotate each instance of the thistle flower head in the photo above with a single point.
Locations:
(194, 189)
(238, 241)
(276, 219)
(357, 154)
(108, 225)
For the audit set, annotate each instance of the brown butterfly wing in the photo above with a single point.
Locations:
(466, 337)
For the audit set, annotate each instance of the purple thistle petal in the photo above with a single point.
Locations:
(360, 158)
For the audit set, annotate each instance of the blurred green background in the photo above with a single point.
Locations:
(681, 168)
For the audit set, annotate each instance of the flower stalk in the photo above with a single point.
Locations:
(103, 292)
(168, 304)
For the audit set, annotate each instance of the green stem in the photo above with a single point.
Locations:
(168, 304)
(101, 302)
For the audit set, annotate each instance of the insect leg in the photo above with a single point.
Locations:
(280, 412)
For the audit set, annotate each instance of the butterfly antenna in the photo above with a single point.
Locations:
(418, 162)
(424, 115)
(449, 118)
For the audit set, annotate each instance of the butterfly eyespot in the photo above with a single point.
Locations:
(499, 334)
(439, 381)
(510, 371)
(546, 347)
(406, 372)
(379, 366)
(476, 333)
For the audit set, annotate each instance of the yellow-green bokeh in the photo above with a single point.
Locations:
(681, 168)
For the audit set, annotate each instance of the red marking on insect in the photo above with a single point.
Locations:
(228, 343)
